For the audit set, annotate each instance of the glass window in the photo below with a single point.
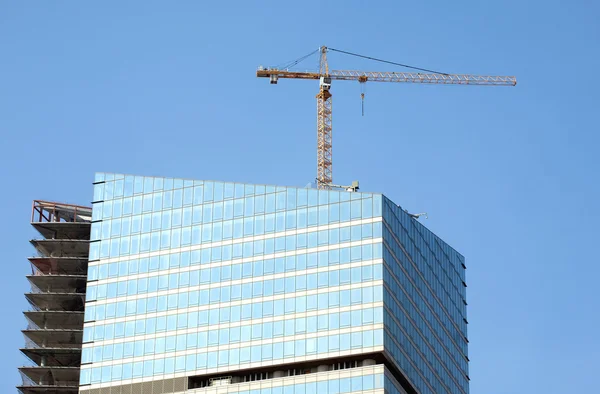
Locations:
(228, 190)
(313, 216)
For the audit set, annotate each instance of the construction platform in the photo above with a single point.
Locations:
(54, 333)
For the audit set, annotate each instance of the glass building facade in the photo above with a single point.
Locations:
(198, 279)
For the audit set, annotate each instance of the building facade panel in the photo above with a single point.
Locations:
(425, 307)
(191, 278)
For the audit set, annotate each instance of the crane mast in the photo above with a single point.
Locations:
(324, 113)
(324, 145)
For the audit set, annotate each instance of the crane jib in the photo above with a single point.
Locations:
(384, 76)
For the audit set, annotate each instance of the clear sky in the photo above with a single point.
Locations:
(509, 176)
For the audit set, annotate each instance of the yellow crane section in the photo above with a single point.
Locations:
(326, 76)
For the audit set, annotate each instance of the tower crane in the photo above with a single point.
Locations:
(325, 76)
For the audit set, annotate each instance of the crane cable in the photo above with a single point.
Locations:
(295, 62)
(386, 61)
(362, 94)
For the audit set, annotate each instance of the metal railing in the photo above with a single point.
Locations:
(65, 290)
(54, 212)
(28, 382)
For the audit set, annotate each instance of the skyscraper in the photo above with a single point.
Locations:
(202, 286)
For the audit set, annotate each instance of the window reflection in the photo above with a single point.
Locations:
(276, 231)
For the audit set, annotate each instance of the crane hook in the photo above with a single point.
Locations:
(362, 79)
(362, 103)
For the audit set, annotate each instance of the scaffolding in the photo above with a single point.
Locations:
(54, 333)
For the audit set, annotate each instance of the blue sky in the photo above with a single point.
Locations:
(509, 176)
